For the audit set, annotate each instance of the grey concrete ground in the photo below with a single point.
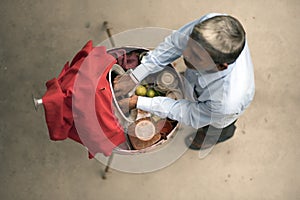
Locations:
(261, 162)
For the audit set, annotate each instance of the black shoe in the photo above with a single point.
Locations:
(196, 142)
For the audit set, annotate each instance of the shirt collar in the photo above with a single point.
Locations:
(206, 78)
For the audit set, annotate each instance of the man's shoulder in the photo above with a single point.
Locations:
(232, 96)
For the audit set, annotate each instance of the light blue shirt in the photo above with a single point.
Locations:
(216, 99)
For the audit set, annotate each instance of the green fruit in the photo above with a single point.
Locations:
(151, 93)
(141, 90)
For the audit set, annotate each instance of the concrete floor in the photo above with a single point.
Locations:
(260, 162)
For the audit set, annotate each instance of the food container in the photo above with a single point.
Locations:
(166, 80)
(159, 131)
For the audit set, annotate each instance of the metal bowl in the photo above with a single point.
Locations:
(125, 121)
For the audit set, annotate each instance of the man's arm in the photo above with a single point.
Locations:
(167, 51)
(191, 113)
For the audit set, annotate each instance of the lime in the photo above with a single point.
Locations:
(151, 93)
(141, 90)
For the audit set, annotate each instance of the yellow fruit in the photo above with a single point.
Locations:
(141, 90)
(151, 93)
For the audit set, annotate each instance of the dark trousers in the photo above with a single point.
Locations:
(223, 133)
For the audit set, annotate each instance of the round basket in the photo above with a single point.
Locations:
(126, 121)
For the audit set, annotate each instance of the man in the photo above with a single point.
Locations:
(219, 76)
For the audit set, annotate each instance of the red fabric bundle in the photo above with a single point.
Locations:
(78, 104)
(127, 61)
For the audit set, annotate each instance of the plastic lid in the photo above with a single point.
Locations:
(144, 130)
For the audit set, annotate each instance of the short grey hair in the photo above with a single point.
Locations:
(223, 37)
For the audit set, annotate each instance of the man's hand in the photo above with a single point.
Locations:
(127, 104)
(123, 85)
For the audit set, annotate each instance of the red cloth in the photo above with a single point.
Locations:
(124, 59)
(78, 104)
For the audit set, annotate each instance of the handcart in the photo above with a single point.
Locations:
(120, 133)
